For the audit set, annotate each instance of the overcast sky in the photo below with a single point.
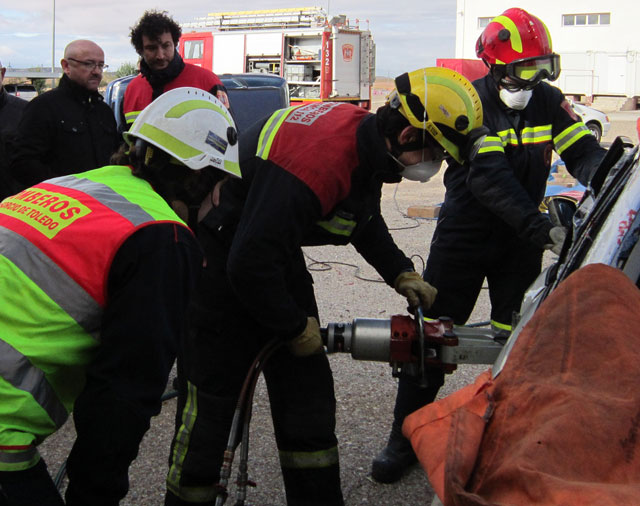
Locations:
(408, 34)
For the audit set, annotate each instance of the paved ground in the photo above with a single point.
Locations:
(365, 391)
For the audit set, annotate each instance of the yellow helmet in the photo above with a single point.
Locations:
(442, 102)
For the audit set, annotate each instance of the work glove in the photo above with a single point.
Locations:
(557, 236)
(415, 289)
(309, 342)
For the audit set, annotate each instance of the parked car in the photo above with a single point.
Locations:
(252, 96)
(604, 227)
(596, 121)
(24, 91)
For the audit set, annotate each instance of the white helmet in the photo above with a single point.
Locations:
(192, 126)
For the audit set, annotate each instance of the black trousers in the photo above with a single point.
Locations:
(212, 367)
(29, 487)
(460, 258)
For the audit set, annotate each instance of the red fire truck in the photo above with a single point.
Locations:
(322, 59)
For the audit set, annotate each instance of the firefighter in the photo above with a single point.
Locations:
(312, 175)
(490, 225)
(96, 269)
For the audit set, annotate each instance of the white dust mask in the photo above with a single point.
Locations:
(517, 100)
(421, 171)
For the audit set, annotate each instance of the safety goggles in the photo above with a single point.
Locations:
(526, 73)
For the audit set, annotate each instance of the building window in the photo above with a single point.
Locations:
(591, 19)
(483, 22)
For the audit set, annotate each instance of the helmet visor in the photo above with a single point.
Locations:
(530, 71)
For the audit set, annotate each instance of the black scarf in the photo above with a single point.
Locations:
(159, 78)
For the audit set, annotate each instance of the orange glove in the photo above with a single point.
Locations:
(415, 289)
(309, 342)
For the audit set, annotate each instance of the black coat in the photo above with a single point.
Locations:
(11, 109)
(63, 131)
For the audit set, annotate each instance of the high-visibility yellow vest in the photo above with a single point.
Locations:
(57, 241)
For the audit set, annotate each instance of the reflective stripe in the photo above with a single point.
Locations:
(183, 108)
(268, 133)
(13, 456)
(107, 197)
(538, 134)
(339, 226)
(501, 326)
(52, 280)
(568, 136)
(181, 149)
(130, 117)
(490, 144)
(195, 494)
(18, 460)
(515, 39)
(508, 137)
(309, 460)
(181, 445)
(17, 370)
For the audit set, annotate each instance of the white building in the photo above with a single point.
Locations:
(598, 42)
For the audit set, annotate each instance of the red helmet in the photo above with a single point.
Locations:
(519, 45)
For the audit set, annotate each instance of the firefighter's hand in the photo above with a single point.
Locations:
(415, 289)
(557, 236)
(309, 342)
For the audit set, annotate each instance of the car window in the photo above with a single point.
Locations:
(24, 91)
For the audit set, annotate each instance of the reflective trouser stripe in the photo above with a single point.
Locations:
(195, 494)
(180, 448)
(18, 460)
(501, 326)
(309, 460)
(16, 369)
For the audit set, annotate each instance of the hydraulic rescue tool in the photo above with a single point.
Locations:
(410, 345)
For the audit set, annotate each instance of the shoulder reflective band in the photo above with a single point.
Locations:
(60, 288)
(269, 130)
(107, 197)
(570, 135)
(16, 369)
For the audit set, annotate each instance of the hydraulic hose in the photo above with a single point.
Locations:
(242, 416)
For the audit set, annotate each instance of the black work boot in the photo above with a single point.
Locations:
(394, 459)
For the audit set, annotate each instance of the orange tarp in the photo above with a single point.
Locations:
(560, 424)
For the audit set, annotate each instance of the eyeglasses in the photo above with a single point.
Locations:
(90, 65)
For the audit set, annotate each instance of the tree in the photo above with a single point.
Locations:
(126, 69)
(39, 84)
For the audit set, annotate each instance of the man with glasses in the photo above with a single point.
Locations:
(490, 225)
(68, 129)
